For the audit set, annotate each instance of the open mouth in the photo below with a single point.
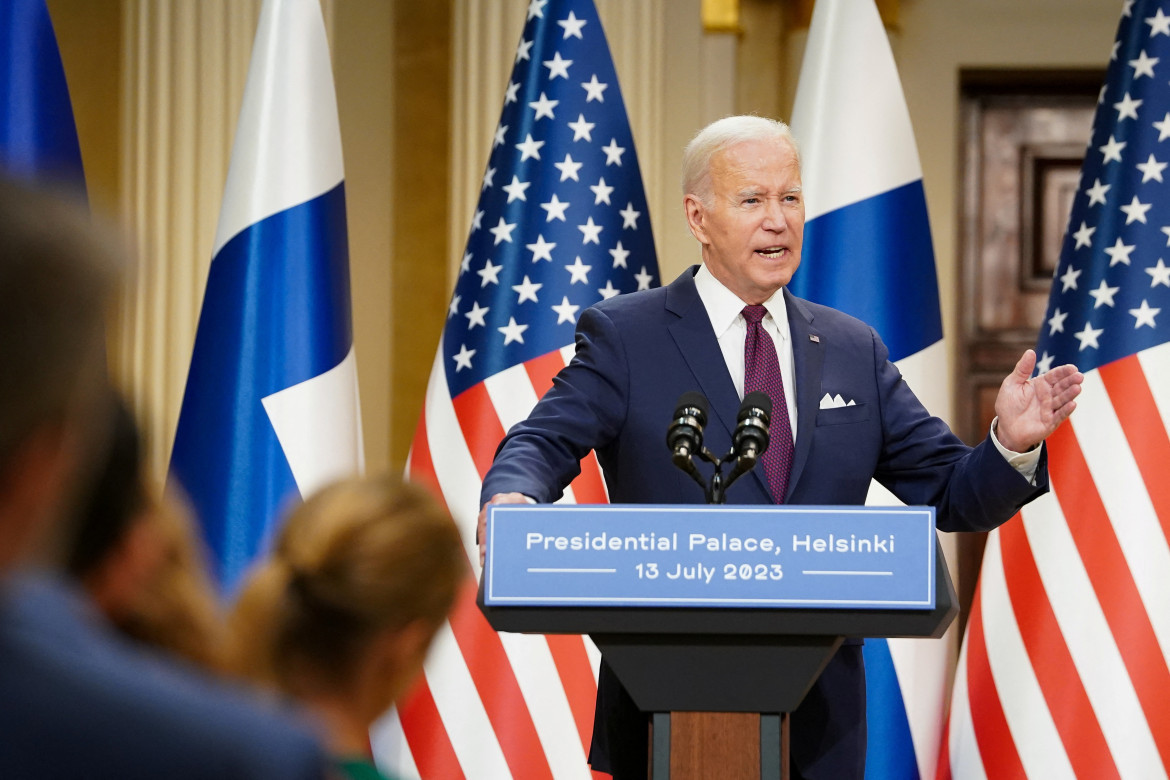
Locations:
(772, 252)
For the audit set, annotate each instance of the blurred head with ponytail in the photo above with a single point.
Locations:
(342, 612)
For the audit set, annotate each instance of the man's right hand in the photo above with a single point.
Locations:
(481, 529)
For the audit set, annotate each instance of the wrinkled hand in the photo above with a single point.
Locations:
(1030, 409)
(481, 530)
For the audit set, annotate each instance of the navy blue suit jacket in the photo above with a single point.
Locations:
(78, 701)
(637, 353)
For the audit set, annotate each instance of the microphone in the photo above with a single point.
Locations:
(751, 431)
(684, 437)
(751, 434)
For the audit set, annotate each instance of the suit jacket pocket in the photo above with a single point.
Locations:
(842, 415)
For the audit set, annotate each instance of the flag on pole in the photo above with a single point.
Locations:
(38, 139)
(270, 412)
(868, 252)
(561, 223)
(1064, 667)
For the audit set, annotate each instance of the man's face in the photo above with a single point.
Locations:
(753, 229)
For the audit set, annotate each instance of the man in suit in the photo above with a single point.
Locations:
(75, 699)
(714, 329)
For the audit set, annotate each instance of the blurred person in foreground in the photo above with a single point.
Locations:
(77, 699)
(138, 557)
(341, 614)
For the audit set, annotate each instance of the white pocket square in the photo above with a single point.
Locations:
(835, 401)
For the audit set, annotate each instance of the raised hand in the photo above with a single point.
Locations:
(1031, 408)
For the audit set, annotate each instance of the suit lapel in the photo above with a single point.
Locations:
(696, 341)
(808, 355)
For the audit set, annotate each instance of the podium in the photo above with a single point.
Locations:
(688, 659)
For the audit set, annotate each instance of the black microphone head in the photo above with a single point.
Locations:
(694, 401)
(756, 399)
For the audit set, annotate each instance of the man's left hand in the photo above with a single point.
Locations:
(1031, 408)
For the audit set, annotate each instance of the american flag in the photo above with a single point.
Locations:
(1064, 668)
(561, 223)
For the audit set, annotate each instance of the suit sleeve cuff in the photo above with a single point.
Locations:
(1024, 462)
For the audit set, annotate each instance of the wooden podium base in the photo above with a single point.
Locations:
(732, 745)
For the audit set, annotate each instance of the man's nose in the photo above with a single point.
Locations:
(774, 217)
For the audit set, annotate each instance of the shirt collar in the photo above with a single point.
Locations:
(723, 306)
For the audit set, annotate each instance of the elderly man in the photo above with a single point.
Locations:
(728, 327)
(75, 700)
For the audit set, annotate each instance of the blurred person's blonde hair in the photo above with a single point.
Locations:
(357, 559)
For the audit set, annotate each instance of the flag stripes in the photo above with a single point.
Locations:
(1069, 677)
(529, 710)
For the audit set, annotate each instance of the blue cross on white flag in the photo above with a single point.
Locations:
(271, 407)
(867, 251)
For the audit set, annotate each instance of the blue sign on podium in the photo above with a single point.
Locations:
(710, 556)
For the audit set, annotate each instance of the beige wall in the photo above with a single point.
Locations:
(675, 78)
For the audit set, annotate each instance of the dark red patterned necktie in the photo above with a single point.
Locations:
(762, 372)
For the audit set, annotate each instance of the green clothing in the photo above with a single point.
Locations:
(359, 768)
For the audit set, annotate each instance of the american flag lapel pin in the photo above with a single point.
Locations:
(814, 338)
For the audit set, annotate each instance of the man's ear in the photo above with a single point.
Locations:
(33, 490)
(696, 218)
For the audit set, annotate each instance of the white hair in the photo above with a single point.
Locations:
(719, 135)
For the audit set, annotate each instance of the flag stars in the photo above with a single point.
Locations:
(609, 290)
(1144, 315)
(502, 231)
(1166, 230)
(544, 107)
(1159, 24)
(1069, 278)
(465, 264)
(475, 315)
(566, 312)
(1097, 192)
(488, 177)
(453, 309)
(1112, 150)
(644, 279)
(619, 254)
(613, 153)
(1136, 210)
(601, 192)
(630, 217)
(529, 149)
(572, 26)
(1084, 236)
(1056, 321)
(594, 90)
(1088, 337)
(541, 249)
(1119, 252)
(555, 208)
(1159, 274)
(522, 51)
(516, 189)
(513, 331)
(1143, 65)
(463, 358)
(477, 220)
(489, 274)
(501, 129)
(582, 129)
(526, 290)
(578, 272)
(536, 8)
(512, 95)
(1103, 295)
(1044, 364)
(591, 232)
(1163, 127)
(568, 168)
(1127, 107)
(558, 66)
(1151, 169)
